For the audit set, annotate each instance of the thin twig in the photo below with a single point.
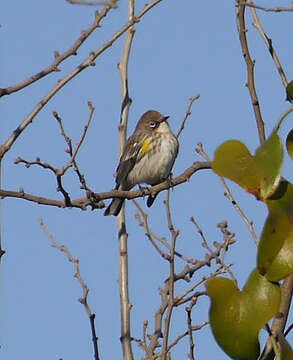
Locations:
(230, 197)
(60, 187)
(38, 161)
(2, 252)
(181, 299)
(59, 58)
(73, 153)
(77, 275)
(96, 203)
(227, 238)
(142, 218)
(154, 338)
(92, 3)
(186, 275)
(205, 244)
(72, 162)
(57, 172)
(94, 336)
(290, 327)
(248, 223)
(89, 61)
(268, 9)
(125, 305)
(149, 233)
(188, 113)
(144, 334)
(174, 235)
(197, 294)
(186, 333)
(223, 226)
(240, 17)
(268, 42)
(83, 135)
(190, 335)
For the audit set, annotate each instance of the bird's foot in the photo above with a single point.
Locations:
(143, 189)
(170, 181)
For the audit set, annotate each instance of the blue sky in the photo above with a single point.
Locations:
(180, 49)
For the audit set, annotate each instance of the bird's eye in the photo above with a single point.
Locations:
(153, 124)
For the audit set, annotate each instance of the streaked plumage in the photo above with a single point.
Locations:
(148, 157)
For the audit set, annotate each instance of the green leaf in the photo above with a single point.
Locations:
(236, 317)
(289, 144)
(289, 91)
(258, 174)
(275, 250)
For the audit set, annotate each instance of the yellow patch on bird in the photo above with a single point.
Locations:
(146, 146)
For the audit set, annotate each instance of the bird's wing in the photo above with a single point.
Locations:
(128, 159)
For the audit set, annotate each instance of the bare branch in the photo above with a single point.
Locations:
(186, 333)
(183, 298)
(78, 203)
(2, 251)
(72, 162)
(93, 3)
(59, 58)
(77, 275)
(62, 82)
(279, 323)
(95, 201)
(38, 162)
(168, 301)
(57, 172)
(227, 237)
(188, 113)
(205, 244)
(149, 233)
(158, 324)
(143, 343)
(73, 155)
(268, 9)
(248, 222)
(269, 44)
(125, 305)
(187, 273)
(174, 234)
(290, 327)
(190, 336)
(70, 151)
(230, 197)
(240, 12)
(142, 218)
(184, 177)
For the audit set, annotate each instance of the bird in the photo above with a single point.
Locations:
(148, 157)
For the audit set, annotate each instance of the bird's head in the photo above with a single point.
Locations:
(153, 121)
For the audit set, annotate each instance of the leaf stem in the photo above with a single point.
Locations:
(286, 113)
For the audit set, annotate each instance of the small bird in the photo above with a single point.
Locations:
(148, 157)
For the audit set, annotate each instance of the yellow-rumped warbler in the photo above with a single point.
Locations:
(148, 157)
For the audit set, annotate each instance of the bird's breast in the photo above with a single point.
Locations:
(156, 163)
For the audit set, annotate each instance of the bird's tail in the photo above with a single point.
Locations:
(114, 207)
(151, 199)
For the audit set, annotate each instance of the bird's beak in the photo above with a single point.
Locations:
(164, 118)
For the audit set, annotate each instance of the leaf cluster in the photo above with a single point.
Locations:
(236, 316)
